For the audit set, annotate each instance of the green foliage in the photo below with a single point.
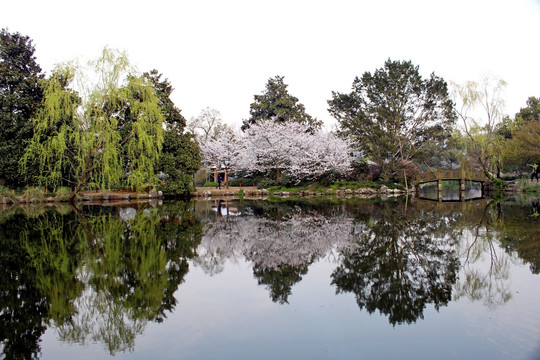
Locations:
(242, 182)
(210, 184)
(523, 148)
(330, 189)
(265, 183)
(361, 170)
(20, 98)
(280, 188)
(179, 160)
(241, 194)
(482, 143)
(7, 195)
(180, 157)
(530, 113)
(355, 185)
(182, 185)
(519, 146)
(78, 139)
(276, 103)
(33, 194)
(498, 184)
(526, 185)
(62, 193)
(5, 191)
(393, 114)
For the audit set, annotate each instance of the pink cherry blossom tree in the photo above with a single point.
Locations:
(290, 147)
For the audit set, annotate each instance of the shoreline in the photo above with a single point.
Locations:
(122, 197)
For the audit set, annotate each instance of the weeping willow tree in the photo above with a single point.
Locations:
(480, 107)
(78, 139)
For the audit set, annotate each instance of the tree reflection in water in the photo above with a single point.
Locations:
(401, 262)
(395, 258)
(97, 277)
(281, 244)
(24, 305)
(100, 274)
(503, 235)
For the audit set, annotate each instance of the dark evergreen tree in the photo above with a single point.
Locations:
(276, 103)
(530, 113)
(393, 114)
(20, 97)
(180, 156)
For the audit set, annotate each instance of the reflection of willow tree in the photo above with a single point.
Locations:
(487, 265)
(133, 267)
(125, 274)
(99, 277)
(400, 263)
(29, 289)
(55, 254)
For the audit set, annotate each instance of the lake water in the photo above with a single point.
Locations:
(283, 279)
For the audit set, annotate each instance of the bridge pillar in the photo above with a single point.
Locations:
(439, 188)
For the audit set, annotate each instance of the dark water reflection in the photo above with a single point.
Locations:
(95, 274)
(104, 274)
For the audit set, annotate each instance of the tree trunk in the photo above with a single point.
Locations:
(75, 192)
(405, 177)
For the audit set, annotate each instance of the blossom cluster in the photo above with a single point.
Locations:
(294, 148)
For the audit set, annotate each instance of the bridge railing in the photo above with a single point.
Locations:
(447, 174)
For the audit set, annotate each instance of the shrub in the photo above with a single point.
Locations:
(33, 194)
(242, 181)
(179, 186)
(330, 178)
(285, 180)
(355, 185)
(375, 171)
(361, 170)
(210, 184)
(63, 193)
(526, 185)
(7, 195)
(265, 183)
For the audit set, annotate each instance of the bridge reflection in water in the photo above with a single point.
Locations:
(473, 209)
(450, 192)
(451, 185)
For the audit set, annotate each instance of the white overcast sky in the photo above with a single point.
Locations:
(220, 53)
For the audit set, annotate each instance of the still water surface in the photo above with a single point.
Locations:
(319, 279)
